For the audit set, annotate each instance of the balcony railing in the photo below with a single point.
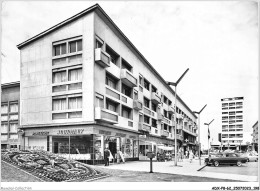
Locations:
(105, 115)
(137, 105)
(180, 137)
(102, 58)
(164, 133)
(179, 126)
(185, 120)
(171, 109)
(179, 116)
(155, 98)
(128, 78)
(144, 127)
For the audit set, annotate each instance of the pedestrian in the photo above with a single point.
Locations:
(106, 156)
(186, 154)
(117, 157)
(121, 156)
(191, 155)
(179, 155)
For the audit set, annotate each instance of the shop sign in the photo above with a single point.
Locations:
(132, 137)
(142, 136)
(41, 133)
(104, 132)
(13, 140)
(120, 135)
(70, 132)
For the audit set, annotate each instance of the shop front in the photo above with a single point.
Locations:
(86, 143)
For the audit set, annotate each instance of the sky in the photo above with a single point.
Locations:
(217, 41)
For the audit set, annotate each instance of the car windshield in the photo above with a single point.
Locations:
(216, 156)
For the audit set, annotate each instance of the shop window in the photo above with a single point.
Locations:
(13, 127)
(75, 74)
(110, 105)
(75, 102)
(4, 108)
(146, 119)
(146, 102)
(75, 46)
(146, 85)
(127, 112)
(59, 104)
(59, 77)
(154, 107)
(126, 90)
(111, 81)
(60, 49)
(154, 123)
(14, 107)
(113, 55)
(126, 65)
(4, 128)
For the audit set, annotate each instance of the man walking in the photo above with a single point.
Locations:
(106, 156)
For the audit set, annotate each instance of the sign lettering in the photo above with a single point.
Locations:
(70, 132)
(132, 137)
(104, 132)
(41, 133)
(120, 135)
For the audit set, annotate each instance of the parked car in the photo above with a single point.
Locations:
(251, 157)
(225, 158)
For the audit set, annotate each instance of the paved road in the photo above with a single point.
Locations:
(250, 168)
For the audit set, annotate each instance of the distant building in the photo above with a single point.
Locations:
(255, 137)
(232, 122)
(10, 115)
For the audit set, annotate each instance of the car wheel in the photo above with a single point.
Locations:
(206, 164)
(239, 163)
(216, 163)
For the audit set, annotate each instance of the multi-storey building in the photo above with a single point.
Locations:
(255, 137)
(10, 96)
(85, 86)
(232, 122)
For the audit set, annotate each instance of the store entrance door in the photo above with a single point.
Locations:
(112, 148)
(56, 147)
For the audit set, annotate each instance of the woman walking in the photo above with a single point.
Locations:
(191, 155)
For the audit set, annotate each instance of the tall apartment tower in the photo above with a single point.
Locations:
(232, 122)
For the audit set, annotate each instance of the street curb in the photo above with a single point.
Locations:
(201, 168)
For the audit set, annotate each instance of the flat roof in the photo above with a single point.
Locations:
(97, 8)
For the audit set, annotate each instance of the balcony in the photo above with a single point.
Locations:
(102, 58)
(171, 110)
(144, 127)
(190, 123)
(185, 120)
(128, 78)
(179, 116)
(105, 115)
(180, 137)
(137, 105)
(164, 133)
(155, 98)
(179, 126)
(160, 116)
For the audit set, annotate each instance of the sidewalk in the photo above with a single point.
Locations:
(182, 168)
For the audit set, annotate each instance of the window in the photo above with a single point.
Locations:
(136, 95)
(146, 102)
(165, 113)
(224, 112)
(99, 43)
(111, 81)
(99, 100)
(154, 107)
(154, 89)
(4, 137)
(60, 49)
(170, 102)
(146, 85)
(165, 127)
(126, 90)
(140, 80)
(110, 105)
(127, 112)
(13, 127)
(113, 55)
(154, 123)
(165, 99)
(14, 107)
(59, 104)
(4, 108)
(127, 66)
(146, 119)
(75, 102)
(75, 74)
(75, 46)
(59, 77)
(4, 128)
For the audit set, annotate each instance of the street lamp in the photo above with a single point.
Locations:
(199, 129)
(175, 122)
(208, 131)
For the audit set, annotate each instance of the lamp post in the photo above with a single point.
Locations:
(199, 128)
(208, 131)
(175, 122)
